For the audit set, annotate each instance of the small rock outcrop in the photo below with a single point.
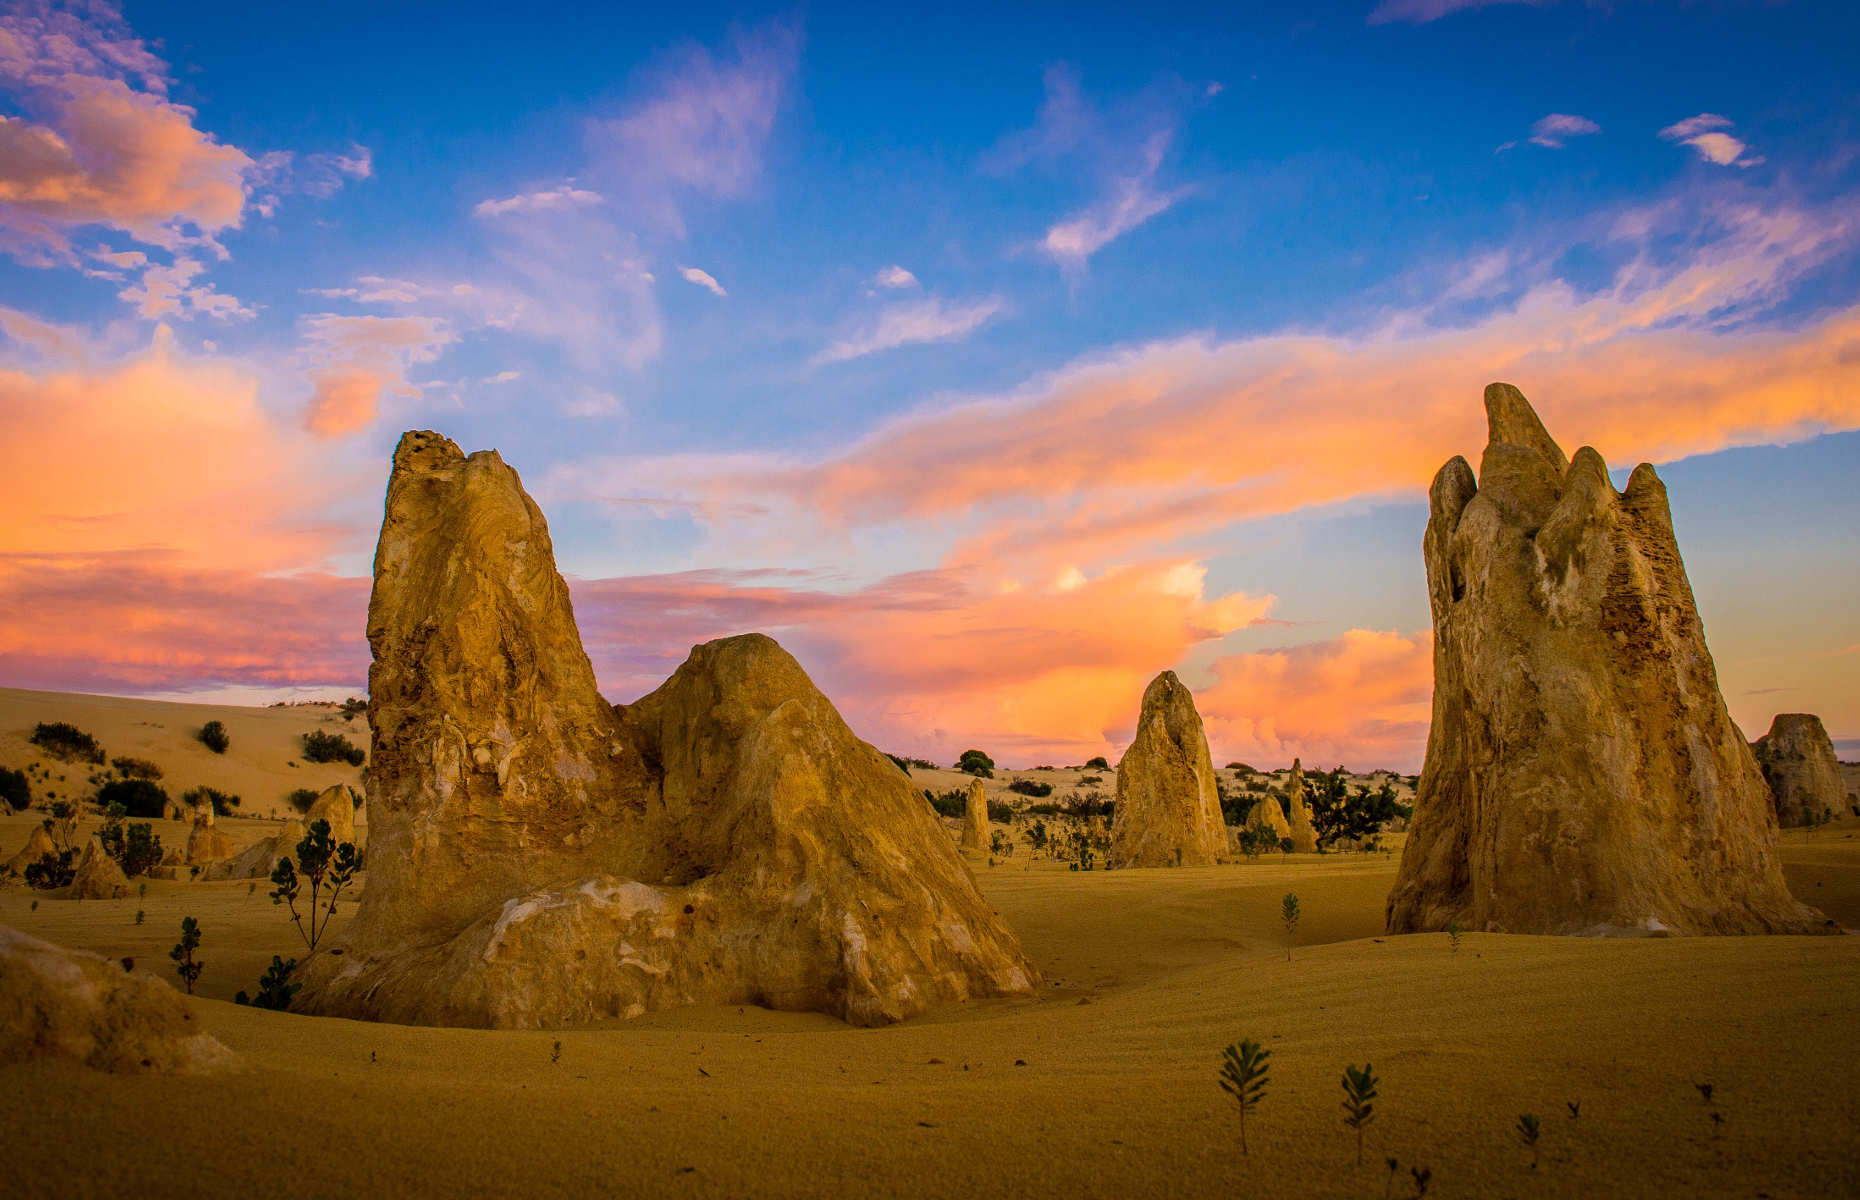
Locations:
(1168, 810)
(975, 818)
(58, 1003)
(1298, 804)
(38, 845)
(539, 857)
(335, 804)
(98, 875)
(1797, 760)
(258, 860)
(1582, 774)
(205, 843)
(1268, 813)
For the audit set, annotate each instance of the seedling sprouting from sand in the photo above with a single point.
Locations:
(555, 1053)
(183, 953)
(1453, 935)
(274, 987)
(1422, 1177)
(324, 863)
(139, 915)
(1704, 1090)
(1717, 1122)
(1575, 1109)
(1243, 1076)
(1288, 915)
(1389, 1187)
(1359, 1093)
(1528, 1130)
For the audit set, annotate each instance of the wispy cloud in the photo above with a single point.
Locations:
(1705, 134)
(1552, 131)
(538, 201)
(357, 361)
(703, 279)
(913, 323)
(895, 276)
(1419, 12)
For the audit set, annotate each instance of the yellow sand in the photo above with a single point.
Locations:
(1151, 972)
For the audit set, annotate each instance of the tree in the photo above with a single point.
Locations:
(139, 797)
(1098, 763)
(135, 847)
(1337, 815)
(274, 992)
(183, 953)
(323, 863)
(15, 789)
(1288, 916)
(214, 737)
(974, 762)
(1243, 1076)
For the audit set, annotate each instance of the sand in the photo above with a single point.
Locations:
(1104, 1086)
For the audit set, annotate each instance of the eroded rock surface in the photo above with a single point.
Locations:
(1168, 809)
(258, 860)
(38, 845)
(98, 875)
(205, 843)
(58, 1003)
(1298, 805)
(1797, 760)
(975, 818)
(1582, 774)
(336, 805)
(539, 857)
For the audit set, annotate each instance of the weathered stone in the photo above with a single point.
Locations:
(975, 818)
(258, 860)
(1168, 810)
(38, 845)
(538, 857)
(98, 875)
(58, 1003)
(1582, 774)
(1266, 811)
(1797, 760)
(1298, 805)
(205, 844)
(336, 805)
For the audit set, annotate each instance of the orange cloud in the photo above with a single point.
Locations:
(1363, 698)
(361, 359)
(343, 402)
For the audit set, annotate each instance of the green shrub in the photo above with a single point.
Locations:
(952, 803)
(274, 989)
(1027, 787)
(222, 803)
(1098, 763)
(139, 797)
(214, 737)
(52, 870)
(974, 762)
(183, 954)
(999, 813)
(1243, 1076)
(67, 742)
(323, 863)
(15, 789)
(136, 768)
(134, 847)
(302, 798)
(354, 707)
(320, 747)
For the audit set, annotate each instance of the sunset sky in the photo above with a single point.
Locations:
(992, 359)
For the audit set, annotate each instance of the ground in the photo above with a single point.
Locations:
(1103, 1086)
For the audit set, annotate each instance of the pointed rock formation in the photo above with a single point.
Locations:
(66, 1004)
(98, 876)
(1168, 810)
(205, 844)
(1268, 813)
(336, 804)
(975, 818)
(1298, 804)
(38, 845)
(539, 857)
(257, 861)
(1582, 774)
(1797, 760)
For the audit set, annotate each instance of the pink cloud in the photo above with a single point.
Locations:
(357, 361)
(1420, 12)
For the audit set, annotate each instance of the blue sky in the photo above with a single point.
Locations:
(957, 337)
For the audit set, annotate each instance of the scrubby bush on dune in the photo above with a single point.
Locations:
(134, 847)
(1028, 787)
(952, 803)
(1242, 768)
(214, 737)
(139, 797)
(320, 747)
(302, 798)
(274, 987)
(322, 863)
(67, 742)
(1097, 764)
(15, 789)
(222, 802)
(354, 707)
(136, 768)
(974, 762)
(1089, 804)
(999, 813)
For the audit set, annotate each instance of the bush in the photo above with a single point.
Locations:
(222, 802)
(65, 741)
(974, 762)
(274, 989)
(1028, 787)
(214, 737)
(322, 747)
(1000, 814)
(15, 789)
(302, 799)
(136, 768)
(1098, 763)
(1088, 804)
(1242, 768)
(354, 707)
(135, 847)
(139, 797)
(52, 870)
(952, 803)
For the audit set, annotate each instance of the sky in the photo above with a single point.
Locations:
(991, 358)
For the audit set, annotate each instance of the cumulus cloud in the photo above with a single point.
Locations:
(703, 279)
(354, 362)
(914, 323)
(171, 291)
(1705, 134)
(1554, 130)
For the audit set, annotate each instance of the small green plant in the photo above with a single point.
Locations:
(214, 737)
(274, 987)
(1288, 916)
(1575, 1109)
(1705, 1090)
(555, 1053)
(183, 953)
(1389, 1187)
(322, 863)
(139, 915)
(1422, 1176)
(1359, 1094)
(1528, 1130)
(1453, 935)
(1243, 1076)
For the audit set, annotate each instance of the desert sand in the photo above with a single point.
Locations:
(1149, 974)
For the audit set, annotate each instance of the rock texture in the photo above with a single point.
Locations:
(1797, 760)
(1168, 809)
(57, 1003)
(1298, 804)
(975, 818)
(539, 857)
(1582, 774)
(98, 877)
(1268, 813)
(336, 804)
(205, 844)
(258, 860)
(38, 845)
